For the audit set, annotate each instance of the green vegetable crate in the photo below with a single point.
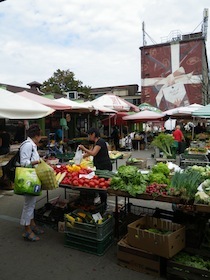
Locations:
(89, 245)
(97, 232)
(196, 268)
(138, 162)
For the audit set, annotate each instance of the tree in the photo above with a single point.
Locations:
(64, 81)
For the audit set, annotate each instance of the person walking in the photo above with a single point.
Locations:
(116, 138)
(29, 156)
(179, 138)
(101, 159)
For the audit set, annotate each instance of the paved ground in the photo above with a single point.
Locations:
(48, 258)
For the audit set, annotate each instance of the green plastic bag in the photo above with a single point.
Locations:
(26, 181)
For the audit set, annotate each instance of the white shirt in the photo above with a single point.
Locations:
(28, 152)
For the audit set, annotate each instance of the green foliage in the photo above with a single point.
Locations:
(161, 167)
(64, 81)
(159, 178)
(185, 183)
(165, 143)
(129, 179)
(192, 261)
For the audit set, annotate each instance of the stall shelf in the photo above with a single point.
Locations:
(168, 199)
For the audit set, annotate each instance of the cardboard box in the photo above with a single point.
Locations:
(164, 245)
(138, 260)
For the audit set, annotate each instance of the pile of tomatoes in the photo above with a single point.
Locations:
(75, 178)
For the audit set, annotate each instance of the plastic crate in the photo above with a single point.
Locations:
(136, 210)
(49, 214)
(65, 157)
(93, 209)
(190, 160)
(87, 244)
(93, 231)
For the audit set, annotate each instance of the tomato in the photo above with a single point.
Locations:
(81, 181)
(92, 184)
(101, 180)
(96, 182)
(107, 184)
(74, 174)
(102, 184)
(75, 182)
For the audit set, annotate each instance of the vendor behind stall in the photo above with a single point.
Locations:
(100, 155)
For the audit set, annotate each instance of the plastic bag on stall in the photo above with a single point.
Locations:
(78, 156)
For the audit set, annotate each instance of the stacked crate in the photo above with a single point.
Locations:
(90, 237)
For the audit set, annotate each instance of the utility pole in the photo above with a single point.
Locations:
(143, 30)
(205, 23)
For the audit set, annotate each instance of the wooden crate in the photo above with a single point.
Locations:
(178, 271)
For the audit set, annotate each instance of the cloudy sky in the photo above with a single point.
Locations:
(97, 40)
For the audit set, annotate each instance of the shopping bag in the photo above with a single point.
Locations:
(46, 175)
(26, 181)
(78, 156)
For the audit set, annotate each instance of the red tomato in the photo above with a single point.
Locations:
(81, 182)
(75, 182)
(91, 185)
(96, 182)
(101, 180)
(102, 184)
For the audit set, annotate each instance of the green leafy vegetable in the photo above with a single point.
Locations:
(165, 143)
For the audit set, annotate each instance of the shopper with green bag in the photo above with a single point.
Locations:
(29, 157)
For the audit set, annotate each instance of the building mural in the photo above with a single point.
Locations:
(172, 73)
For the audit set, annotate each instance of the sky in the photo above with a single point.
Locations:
(97, 40)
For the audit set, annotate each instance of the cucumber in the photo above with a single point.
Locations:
(104, 173)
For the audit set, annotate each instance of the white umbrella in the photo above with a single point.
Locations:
(203, 112)
(144, 116)
(13, 106)
(182, 111)
(114, 102)
(73, 104)
(98, 107)
(52, 103)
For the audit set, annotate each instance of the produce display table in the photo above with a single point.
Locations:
(70, 187)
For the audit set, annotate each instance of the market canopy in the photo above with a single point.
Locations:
(203, 112)
(183, 111)
(73, 104)
(114, 102)
(13, 106)
(147, 106)
(144, 116)
(98, 107)
(116, 119)
(44, 101)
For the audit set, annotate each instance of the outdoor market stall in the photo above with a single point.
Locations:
(84, 233)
